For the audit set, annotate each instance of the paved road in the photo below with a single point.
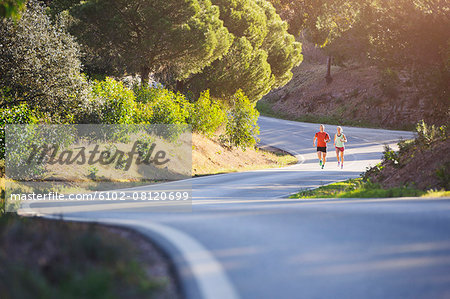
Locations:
(245, 239)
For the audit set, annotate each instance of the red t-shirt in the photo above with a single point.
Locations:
(321, 137)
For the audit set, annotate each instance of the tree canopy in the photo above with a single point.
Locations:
(39, 63)
(261, 56)
(148, 36)
(412, 35)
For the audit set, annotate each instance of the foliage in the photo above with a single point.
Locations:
(414, 35)
(390, 156)
(2, 195)
(241, 128)
(357, 188)
(11, 8)
(75, 261)
(117, 103)
(427, 135)
(92, 172)
(206, 115)
(411, 35)
(39, 64)
(260, 58)
(323, 21)
(20, 114)
(143, 113)
(169, 107)
(148, 36)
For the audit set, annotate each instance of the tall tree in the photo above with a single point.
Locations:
(321, 21)
(261, 57)
(39, 63)
(148, 36)
(414, 35)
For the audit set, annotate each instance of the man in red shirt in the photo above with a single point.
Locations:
(322, 139)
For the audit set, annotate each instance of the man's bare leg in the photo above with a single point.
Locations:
(319, 155)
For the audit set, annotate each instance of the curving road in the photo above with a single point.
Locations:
(245, 239)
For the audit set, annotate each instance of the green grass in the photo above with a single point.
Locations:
(54, 259)
(357, 188)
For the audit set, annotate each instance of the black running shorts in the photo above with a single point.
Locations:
(322, 149)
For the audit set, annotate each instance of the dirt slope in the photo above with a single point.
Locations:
(422, 168)
(357, 94)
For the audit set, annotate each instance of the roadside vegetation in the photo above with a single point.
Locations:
(417, 169)
(42, 258)
(358, 188)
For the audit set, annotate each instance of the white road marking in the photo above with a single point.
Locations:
(208, 273)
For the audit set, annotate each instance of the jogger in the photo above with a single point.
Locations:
(339, 140)
(322, 139)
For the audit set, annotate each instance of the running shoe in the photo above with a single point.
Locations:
(323, 165)
(320, 162)
(342, 166)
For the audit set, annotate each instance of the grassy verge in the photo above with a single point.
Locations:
(54, 259)
(357, 188)
(265, 109)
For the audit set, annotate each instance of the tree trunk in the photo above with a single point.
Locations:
(145, 75)
(180, 85)
(328, 76)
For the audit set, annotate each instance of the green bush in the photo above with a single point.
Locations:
(390, 156)
(169, 107)
(146, 93)
(160, 106)
(206, 116)
(117, 103)
(241, 128)
(156, 105)
(20, 114)
(143, 113)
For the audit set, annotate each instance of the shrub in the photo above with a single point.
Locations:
(160, 106)
(169, 108)
(117, 103)
(241, 128)
(143, 113)
(390, 156)
(427, 134)
(206, 116)
(39, 63)
(147, 93)
(20, 114)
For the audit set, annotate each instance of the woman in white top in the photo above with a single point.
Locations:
(339, 140)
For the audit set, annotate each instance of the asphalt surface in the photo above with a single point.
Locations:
(245, 239)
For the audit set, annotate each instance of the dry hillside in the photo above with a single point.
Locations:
(358, 94)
